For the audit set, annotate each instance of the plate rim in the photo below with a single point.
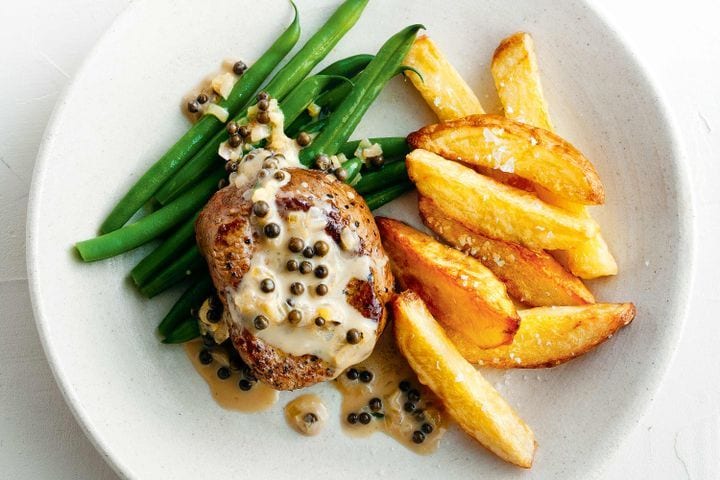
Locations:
(637, 407)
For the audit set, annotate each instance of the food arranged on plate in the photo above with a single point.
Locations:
(263, 210)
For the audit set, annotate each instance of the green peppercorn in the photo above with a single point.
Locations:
(239, 67)
(297, 288)
(205, 357)
(353, 337)
(261, 322)
(418, 437)
(267, 285)
(426, 428)
(235, 141)
(341, 174)
(272, 230)
(352, 418)
(352, 374)
(308, 252)
(321, 271)
(321, 248)
(263, 96)
(294, 317)
(263, 105)
(322, 290)
(270, 163)
(305, 267)
(322, 162)
(202, 98)
(303, 139)
(231, 166)
(245, 385)
(193, 106)
(375, 404)
(263, 117)
(296, 244)
(319, 321)
(243, 131)
(377, 161)
(366, 376)
(413, 395)
(232, 128)
(364, 418)
(223, 373)
(279, 175)
(291, 265)
(261, 208)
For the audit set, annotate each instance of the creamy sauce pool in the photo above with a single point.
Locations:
(306, 414)
(392, 401)
(227, 392)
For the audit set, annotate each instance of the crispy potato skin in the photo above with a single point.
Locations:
(441, 86)
(549, 336)
(468, 397)
(532, 277)
(517, 79)
(492, 208)
(498, 142)
(458, 289)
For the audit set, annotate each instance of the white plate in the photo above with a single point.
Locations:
(142, 404)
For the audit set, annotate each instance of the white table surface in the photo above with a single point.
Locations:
(42, 43)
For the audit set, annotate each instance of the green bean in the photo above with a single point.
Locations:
(385, 177)
(316, 48)
(200, 289)
(186, 331)
(304, 94)
(306, 123)
(161, 256)
(378, 199)
(392, 147)
(329, 99)
(200, 133)
(189, 263)
(367, 87)
(152, 226)
(349, 66)
(352, 168)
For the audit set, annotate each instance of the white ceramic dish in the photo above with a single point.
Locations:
(142, 404)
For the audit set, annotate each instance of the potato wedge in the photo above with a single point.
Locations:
(458, 289)
(494, 209)
(549, 336)
(517, 79)
(468, 397)
(534, 278)
(497, 142)
(441, 85)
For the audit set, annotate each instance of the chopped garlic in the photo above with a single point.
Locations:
(223, 84)
(314, 110)
(217, 111)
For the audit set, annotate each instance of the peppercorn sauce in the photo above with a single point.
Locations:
(388, 369)
(226, 392)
